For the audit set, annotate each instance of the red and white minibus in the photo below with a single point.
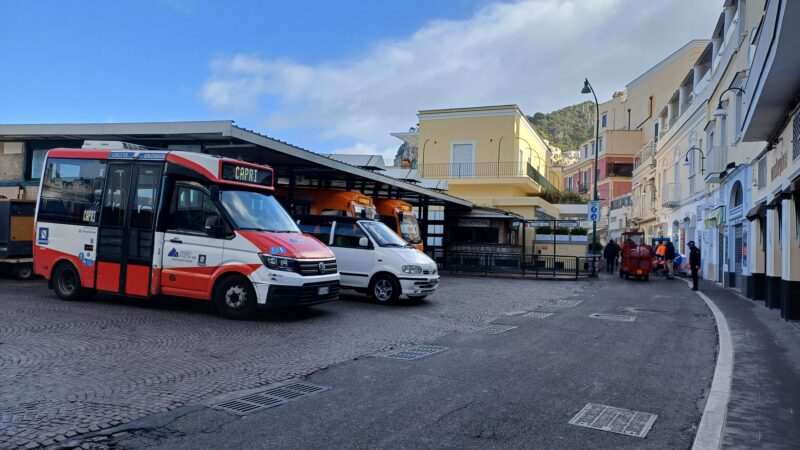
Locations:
(119, 218)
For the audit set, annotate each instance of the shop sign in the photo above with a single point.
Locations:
(475, 223)
(568, 223)
(538, 223)
(779, 166)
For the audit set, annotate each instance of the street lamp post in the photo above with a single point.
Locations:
(702, 158)
(587, 88)
(539, 158)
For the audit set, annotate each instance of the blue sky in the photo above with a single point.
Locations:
(329, 76)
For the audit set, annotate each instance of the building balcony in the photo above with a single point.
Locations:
(715, 163)
(511, 169)
(671, 195)
(621, 202)
(645, 158)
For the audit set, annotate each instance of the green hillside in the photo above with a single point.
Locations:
(567, 127)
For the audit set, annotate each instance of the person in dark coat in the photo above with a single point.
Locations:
(610, 255)
(669, 256)
(694, 263)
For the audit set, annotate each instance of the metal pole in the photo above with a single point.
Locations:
(596, 156)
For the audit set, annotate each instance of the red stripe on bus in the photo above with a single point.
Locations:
(78, 153)
(171, 157)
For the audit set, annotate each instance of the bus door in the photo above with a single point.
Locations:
(191, 254)
(125, 235)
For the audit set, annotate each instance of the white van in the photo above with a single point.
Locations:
(374, 259)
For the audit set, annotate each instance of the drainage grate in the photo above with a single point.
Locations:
(615, 420)
(495, 329)
(417, 352)
(617, 317)
(539, 315)
(571, 303)
(269, 398)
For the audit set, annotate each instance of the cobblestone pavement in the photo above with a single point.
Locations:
(68, 368)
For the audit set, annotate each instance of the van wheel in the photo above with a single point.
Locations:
(23, 271)
(384, 288)
(235, 298)
(67, 282)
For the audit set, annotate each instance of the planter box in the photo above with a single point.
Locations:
(579, 238)
(562, 237)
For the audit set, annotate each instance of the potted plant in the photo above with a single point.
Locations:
(579, 235)
(562, 234)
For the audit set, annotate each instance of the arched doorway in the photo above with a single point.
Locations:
(735, 201)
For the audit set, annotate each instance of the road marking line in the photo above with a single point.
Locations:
(712, 424)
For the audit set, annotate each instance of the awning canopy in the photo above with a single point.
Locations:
(715, 215)
(757, 212)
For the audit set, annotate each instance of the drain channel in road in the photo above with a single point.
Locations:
(614, 420)
(269, 398)
(417, 352)
(617, 317)
(495, 329)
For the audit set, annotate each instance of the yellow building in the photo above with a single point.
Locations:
(490, 155)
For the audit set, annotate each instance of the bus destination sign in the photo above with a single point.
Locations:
(246, 174)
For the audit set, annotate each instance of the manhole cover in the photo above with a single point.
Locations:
(615, 420)
(617, 317)
(417, 352)
(539, 315)
(495, 329)
(269, 398)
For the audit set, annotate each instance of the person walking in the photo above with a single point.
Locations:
(694, 263)
(610, 255)
(669, 255)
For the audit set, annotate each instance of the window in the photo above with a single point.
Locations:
(193, 208)
(71, 190)
(736, 195)
(656, 127)
(474, 235)
(600, 147)
(462, 158)
(115, 200)
(143, 206)
(585, 180)
(347, 235)
(569, 183)
(762, 172)
(603, 121)
(586, 151)
(796, 137)
(320, 230)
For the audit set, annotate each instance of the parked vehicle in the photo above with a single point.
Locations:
(16, 235)
(373, 258)
(118, 218)
(328, 202)
(399, 216)
(637, 257)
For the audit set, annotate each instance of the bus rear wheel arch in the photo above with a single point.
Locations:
(66, 282)
(234, 297)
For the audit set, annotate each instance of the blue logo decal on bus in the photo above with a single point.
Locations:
(277, 250)
(85, 260)
(201, 260)
(121, 155)
(44, 235)
(173, 253)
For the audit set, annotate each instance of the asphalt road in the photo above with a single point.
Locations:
(517, 389)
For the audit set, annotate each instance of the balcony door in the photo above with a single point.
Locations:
(462, 159)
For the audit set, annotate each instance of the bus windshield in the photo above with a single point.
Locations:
(383, 235)
(256, 211)
(409, 229)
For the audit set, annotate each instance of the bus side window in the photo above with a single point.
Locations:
(71, 190)
(192, 208)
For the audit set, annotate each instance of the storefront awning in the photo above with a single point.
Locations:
(758, 211)
(715, 215)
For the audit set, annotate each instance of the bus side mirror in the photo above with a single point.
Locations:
(363, 242)
(213, 192)
(400, 216)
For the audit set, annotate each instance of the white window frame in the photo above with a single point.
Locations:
(452, 150)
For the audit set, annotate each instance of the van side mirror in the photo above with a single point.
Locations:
(213, 192)
(400, 216)
(363, 242)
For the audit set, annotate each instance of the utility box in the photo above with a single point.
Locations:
(16, 235)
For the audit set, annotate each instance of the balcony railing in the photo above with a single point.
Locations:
(621, 202)
(645, 157)
(485, 170)
(671, 195)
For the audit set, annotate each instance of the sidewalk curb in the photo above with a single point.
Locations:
(712, 424)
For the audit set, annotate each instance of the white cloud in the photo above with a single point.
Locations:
(534, 53)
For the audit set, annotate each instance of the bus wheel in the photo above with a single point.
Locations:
(384, 288)
(67, 282)
(23, 271)
(235, 298)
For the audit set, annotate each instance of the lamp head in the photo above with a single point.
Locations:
(686, 160)
(586, 88)
(720, 111)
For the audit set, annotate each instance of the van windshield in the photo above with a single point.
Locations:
(383, 235)
(256, 211)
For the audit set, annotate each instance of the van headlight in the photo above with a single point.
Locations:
(412, 269)
(278, 262)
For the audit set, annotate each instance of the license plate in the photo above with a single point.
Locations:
(323, 290)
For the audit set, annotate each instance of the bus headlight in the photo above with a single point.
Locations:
(278, 262)
(412, 269)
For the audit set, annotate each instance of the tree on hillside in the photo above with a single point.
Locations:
(567, 127)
